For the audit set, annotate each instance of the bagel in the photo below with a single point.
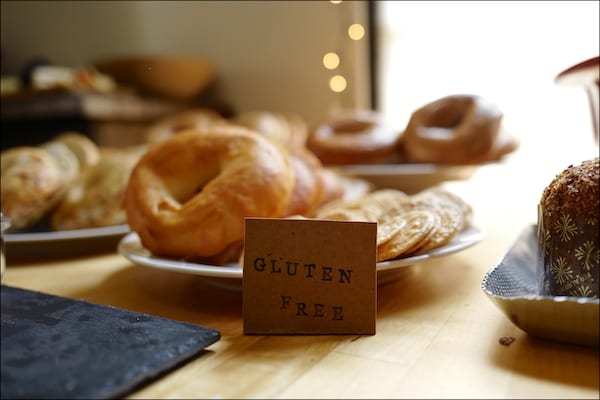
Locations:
(332, 187)
(287, 129)
(307, 183)
(183, 120)
(188, 195)
(354, 137)
(456, 129)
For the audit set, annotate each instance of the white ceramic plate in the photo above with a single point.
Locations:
(52, 244)
(410, 178)
(131, 248)
(512, 286)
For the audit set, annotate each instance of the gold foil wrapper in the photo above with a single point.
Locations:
(568, 254)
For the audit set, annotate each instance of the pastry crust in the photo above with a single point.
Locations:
(84, 149)
(183, 120)
(188, 195)
(354, 137)
(288, 129)
(32, 183)
(95, 199)
(456, 129)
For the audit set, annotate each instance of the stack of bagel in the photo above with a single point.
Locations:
(68, 182)
(188, 195)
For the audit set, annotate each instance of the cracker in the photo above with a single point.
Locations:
(385, 201)
(450, 223)
(345, 215)
(336, 207)
(370, 207)
(418, 226)
(406, 224)
(389, 227)
(441, 199)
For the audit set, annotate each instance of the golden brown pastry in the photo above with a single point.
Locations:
(332, 187)
(188, 195)
(33, 180)
(183, 120)
(96, 198)
(456, 129)
(86, 151)
(307, 183)
(288, 129)
(354, 137)
(65, 159)
(313, 185)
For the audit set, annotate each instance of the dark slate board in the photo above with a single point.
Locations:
(56, 347)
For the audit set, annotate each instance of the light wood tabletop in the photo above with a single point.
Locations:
(437, 333)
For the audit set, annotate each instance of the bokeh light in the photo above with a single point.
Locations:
(331, 60)
(337, 83)
(356, 31)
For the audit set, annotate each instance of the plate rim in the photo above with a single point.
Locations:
(468, 238)
(72, 234)
(404, 169)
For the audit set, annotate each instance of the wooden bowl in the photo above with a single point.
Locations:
(175, 77)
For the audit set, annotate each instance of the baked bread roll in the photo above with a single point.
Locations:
(188, 195)
(96, 198)
(35, 178)
(84, 149)
(33, 181)
(288, 129)
(180, 121)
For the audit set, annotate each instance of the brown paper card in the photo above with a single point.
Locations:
(305, 276)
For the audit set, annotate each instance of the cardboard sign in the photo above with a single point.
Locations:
(305, 276)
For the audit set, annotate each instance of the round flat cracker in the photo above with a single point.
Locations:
(419, 224)
(389, 227)
(370, 207)
(345, 215)
(383, 202)
(441, 199)
(450, 223)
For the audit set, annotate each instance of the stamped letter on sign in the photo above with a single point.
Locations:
(305, 276)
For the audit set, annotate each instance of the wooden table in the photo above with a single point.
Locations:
(437, 332)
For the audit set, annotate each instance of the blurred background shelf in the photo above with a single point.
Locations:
(118, 118)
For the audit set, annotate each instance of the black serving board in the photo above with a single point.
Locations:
(62, 348)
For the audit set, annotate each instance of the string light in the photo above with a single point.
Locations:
(331, 60)
(356, 31)
(337, 83)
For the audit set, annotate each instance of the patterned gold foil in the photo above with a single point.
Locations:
(568, 254)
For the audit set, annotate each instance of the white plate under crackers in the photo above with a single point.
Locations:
(131, 248)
